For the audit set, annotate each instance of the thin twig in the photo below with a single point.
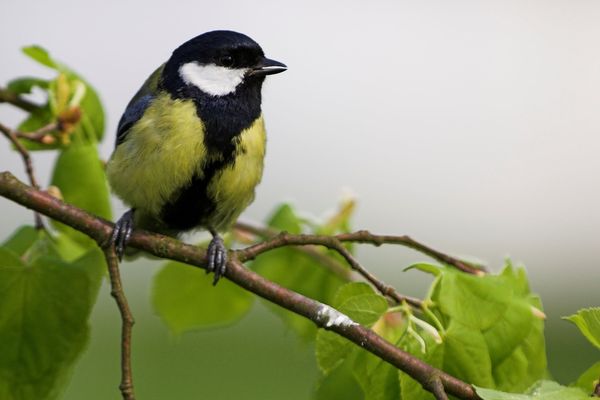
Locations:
(165, 247)
(10, 135)
(384, 289)
(328, 262)
(404, 240)
(127, 321)
(597, 390)
(367, 237)
(8, 96)
(40, 135)
(331, 242)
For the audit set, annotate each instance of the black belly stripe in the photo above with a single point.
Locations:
(192, 206)
(224, 119)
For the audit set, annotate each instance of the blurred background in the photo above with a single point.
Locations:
(472, 126)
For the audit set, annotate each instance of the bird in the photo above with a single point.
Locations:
(190, 144)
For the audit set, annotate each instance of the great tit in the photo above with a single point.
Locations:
(190, 145)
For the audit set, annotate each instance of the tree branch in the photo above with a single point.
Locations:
(12, 136)
(127, 321)
(597, 390)
(161, 246)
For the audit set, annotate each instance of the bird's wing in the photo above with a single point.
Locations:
(132, 114)
(138, 105)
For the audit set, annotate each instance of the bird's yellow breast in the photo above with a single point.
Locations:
(165, 149)
(232, 188)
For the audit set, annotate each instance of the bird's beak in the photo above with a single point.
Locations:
(267, 67)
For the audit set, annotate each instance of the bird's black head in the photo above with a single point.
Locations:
(217, 63)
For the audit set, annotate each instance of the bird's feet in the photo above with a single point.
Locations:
(217, 257)
(122, 233)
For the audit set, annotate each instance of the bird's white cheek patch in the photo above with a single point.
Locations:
(212, 79)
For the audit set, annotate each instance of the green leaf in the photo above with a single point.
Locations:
(67, 248)
(339, 384)
(295, 270)
(509, 331)
(391, 326)
(432, 269)
(466, 355)
(299, 272)
(359, 302)
(543, 390)
(516, 278)
(9, 259)
(26, 84)
(492, 337)
(349, 290)
(526, 364)
(185, 299)
(21, 240)
(490, 394)
(477, 302)
(93, 264)
(92, 118)
(40, 55)
(364, 309)
(331, 350)
(284, 219)
(90, 128)
(409, 388)
(588, 322)
(378, 379)
(589, 379)
(44, 311)
(549, 390)
(79, 175)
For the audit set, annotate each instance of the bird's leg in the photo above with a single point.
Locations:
(217, 256)
(122, 233)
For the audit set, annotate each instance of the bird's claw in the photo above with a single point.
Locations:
(122, 232)
(217, 258)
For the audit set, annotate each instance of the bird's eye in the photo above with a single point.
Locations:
(226, 61)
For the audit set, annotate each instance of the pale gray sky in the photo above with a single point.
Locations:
(471, 125)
